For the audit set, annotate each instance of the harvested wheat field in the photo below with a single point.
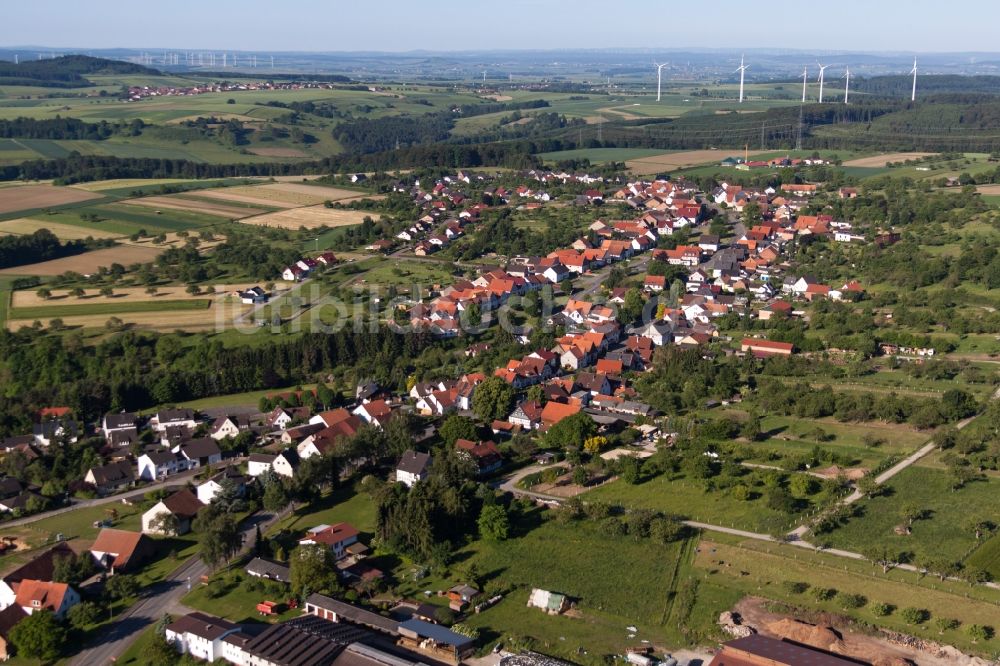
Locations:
(66, 232)
(178, 202)
(680, 160)
(879, 161)
(119, 183)
(29, 197)
(313, 194)
(88, 262)
(309, 217)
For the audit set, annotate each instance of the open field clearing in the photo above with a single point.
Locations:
(101, 185)
(680, 160)
(133, 295)
(88, 262)
(65, 232)
(310, 217)
(278, 152)
(107, 306)
(172, 315)
(29, 197)
(194, 206)
(601, 155)
(878, 161)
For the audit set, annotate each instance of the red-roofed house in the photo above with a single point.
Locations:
(485, 455)
(336, 537)
(554, 412)
(121, 550)
(36, 595)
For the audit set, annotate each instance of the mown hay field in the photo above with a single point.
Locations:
(65, 232)
(30, 197)
(88, 262)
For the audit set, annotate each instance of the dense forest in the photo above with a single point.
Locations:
(66, 128)
(65, 71)
(39, 246)
(134, 371)
(82, 168)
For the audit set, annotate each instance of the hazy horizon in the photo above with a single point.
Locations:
(314, 26)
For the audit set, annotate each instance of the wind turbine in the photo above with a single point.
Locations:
(822, 68)
(484, 78)
(742, 70)
(805, 73)
(913, 95)
(847, 83)
(659, 75)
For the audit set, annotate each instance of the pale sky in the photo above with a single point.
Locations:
(452, 25)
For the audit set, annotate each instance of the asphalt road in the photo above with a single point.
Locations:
(175, 480)
(160, 599)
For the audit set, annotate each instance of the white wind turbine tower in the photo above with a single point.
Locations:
(847, 83)
(822, 68)
(484, 78)
(659, 77)
(805, 73)
(913, 95)
(742, 70)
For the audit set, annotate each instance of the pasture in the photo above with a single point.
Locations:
(33, 197)
(309, 217)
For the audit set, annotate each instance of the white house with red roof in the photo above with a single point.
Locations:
(335, 537)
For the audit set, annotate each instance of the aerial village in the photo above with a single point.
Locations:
(187, 460)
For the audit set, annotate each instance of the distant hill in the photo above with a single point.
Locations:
(927, 84)
(65, 71)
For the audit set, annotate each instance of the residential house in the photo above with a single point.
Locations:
(173, 418)
(9, 617)
(527, 414)
(40, 567)
(262, 567)
(121, 550)
(286, 463)
(209, 489)
(336, 537)
(200, 635)
(228, 426)
(39, 595)
(199, 452)
(120, 429)
(182, 505)
(64, 429)
(282, 417)
(484, 454)
(258, 463)
(413, 466)
(374, 412)
(110, 478)
(155, 465)
(554, 412)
